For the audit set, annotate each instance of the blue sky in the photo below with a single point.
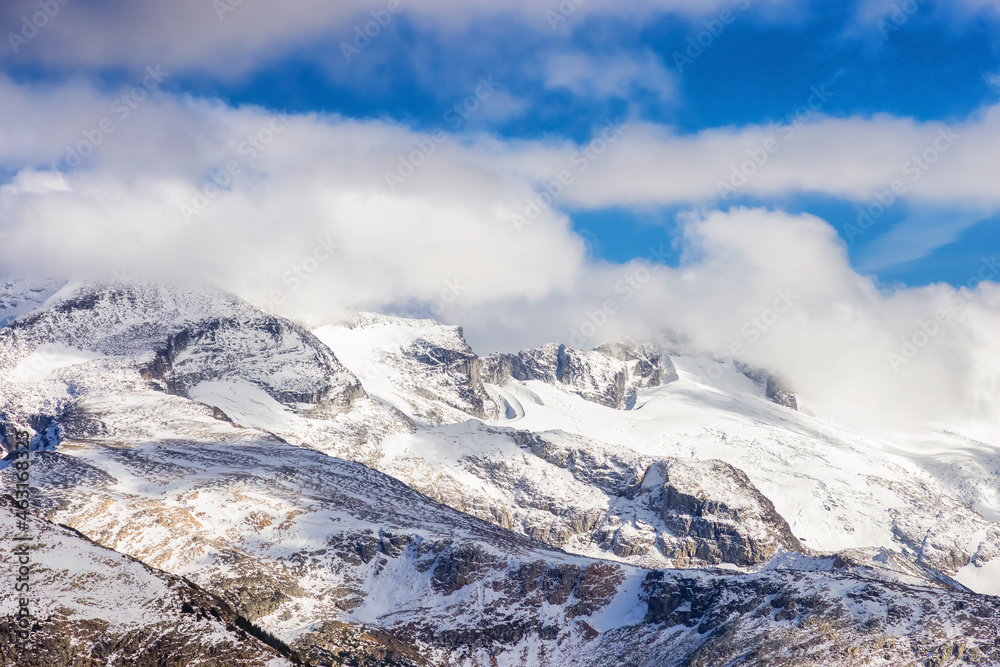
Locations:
(727, 68)
(758, 69)
(660, 165)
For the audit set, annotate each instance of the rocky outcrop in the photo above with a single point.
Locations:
(91, 605)
(716, 515)
(434, 375)
(609, 374)
(773, 387)
(644, 510)
(454, 374)
(810, 618)
(179, 336)
(286, 361)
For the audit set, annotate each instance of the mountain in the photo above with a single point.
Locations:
(373, 492)
(609, 375)
(91, 604)
(23, 295)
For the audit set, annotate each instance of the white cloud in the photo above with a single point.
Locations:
(310, 225)
(610, 76)
(228, 37)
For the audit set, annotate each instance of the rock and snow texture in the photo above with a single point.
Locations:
(120, 339)
(92, 605)
(421, 367)
(592, 498)
(608, 375)
(342, 562)
(188, 335)
(19, 296)
(205, 438)
(775, 389)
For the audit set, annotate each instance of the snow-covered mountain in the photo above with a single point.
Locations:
(23, 295)
(375, 491)
(90, 602)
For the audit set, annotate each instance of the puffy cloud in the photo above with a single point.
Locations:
(296, 214)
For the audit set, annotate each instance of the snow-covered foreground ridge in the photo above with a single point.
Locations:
(375, 490)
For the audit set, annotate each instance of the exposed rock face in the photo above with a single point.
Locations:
(810, 618)
(775, 389)
(589, 497)
(609, 374)
(276, 355)
(434, 374)
(717, 515)
(452, 372)
(104, 341)
(91, 605)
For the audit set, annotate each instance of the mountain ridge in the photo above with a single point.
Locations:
(419, 513)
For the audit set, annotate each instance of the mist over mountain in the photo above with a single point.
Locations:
(499, 334)
(375, 490)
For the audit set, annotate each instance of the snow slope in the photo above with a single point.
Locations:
(930, 494)
(91, 603)
(539, 521)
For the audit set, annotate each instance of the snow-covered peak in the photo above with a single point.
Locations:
(182, 335)
(423, 368)
(19, 296)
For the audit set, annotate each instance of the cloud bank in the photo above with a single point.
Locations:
(296, 213)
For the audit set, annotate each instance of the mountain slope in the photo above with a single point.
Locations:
(89, 603)
(214, 469)
(932, 494)
(336, 559)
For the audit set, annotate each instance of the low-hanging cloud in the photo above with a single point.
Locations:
(295, 214)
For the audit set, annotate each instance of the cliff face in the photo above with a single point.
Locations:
(608, 375)
(425, 369)
(192, 335)
(774, 388)
(717, 514)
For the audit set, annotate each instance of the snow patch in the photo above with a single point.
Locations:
(245, 403)
(41, 363)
